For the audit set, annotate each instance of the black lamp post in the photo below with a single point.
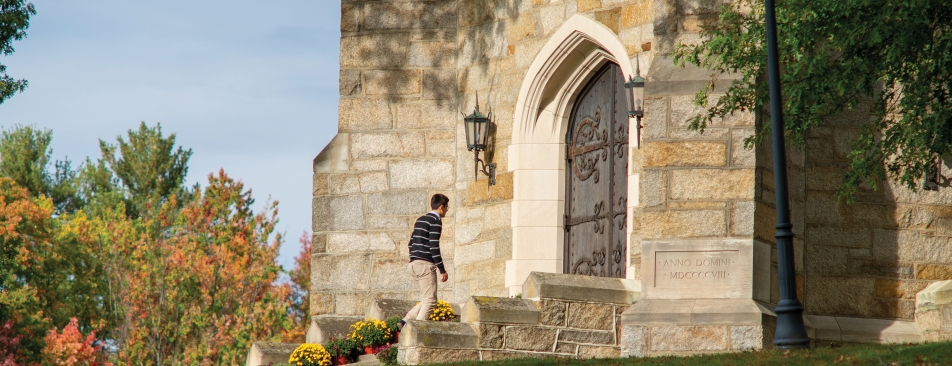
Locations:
(635, 90)
(477, 132)
(791, 333)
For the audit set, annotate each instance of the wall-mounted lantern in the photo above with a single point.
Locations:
(477, 134)
(635, 90)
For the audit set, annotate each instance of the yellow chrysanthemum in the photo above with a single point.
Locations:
(310, 354)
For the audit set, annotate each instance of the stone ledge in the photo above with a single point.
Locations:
(499, 310)
(694, 312)
(324, 328)
(264, 353)
(936, 294)
(420, 355)
(431, 334)
(581, 288)
(334, 157)
(860, 330)
(384, 308)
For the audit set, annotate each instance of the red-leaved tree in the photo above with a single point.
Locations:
(71, 348)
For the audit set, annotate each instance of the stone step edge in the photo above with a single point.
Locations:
(557, 286)
(862, 330)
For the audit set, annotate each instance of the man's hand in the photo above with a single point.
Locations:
(444, 277)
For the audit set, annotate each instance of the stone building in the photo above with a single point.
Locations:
(684, 220)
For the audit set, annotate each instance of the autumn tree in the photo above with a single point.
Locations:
(838, 56)
(14, 20)
(25, 157)
(299, 303)
(204, 290)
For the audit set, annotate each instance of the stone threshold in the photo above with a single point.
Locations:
(861, 330)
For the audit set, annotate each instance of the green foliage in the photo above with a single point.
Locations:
(341, 347)
(392, 323)
(888, 58)
(387, 355)
(25, 157)
(14, 20)
(148, 166)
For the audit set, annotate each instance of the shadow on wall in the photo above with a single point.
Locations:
(867, 259)
(421, 48)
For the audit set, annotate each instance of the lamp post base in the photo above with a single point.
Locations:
(791, 332)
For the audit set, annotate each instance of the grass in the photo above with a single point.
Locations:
(860, 354)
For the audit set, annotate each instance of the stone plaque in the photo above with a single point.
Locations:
(693, 269)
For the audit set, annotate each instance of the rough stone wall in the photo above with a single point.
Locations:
(870, 258)
(498, 40)
(395, 147)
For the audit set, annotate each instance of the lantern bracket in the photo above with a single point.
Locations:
(488, 169)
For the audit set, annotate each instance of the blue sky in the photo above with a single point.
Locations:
(250, 87)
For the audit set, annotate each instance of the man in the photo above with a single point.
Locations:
(425, 257)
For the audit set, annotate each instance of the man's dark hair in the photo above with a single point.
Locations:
(438, 200)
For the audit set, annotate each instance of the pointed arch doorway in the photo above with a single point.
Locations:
(596, 179)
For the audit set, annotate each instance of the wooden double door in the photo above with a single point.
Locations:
(596, 174)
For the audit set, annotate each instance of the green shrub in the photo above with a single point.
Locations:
(388, 355)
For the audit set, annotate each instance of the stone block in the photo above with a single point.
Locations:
(425, 116)
(380, 50)
(359, 114)
(483, 309)
(391, 275)
(266, 353)
(337, 213)
(475, 252)
(685, 153)
(742, 219)
(321, 303)
(439, 85)
(480, 192)
(933, 272)
(633, 341)
(551, 312)
(552, 17)
(385, 308)
(429, 174)
(525, 338)
(861, 330)
(684, 224)
(492, 355)
(350, 83)
(409, 15)
(747, 338)
(433, 54)
(590, 352)
(566, 348)
(340, 184)
(349, 17)
(839, 296)
(580, 288)
(525, 26)
(399, 203)
(712, 184)
(690, 338)
(489, 335)
(352, 303)
(611, 18)
(638, 13)
(392, 82)
(590, 316)
(426, 355)
(425, 333)
(323, 328)
(741, 156)
(587, 336)
(841, 236)
(352, 242)
(588, 5)
(340, 272)
(387, 145)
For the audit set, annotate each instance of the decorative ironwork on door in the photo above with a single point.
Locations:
(597, 178)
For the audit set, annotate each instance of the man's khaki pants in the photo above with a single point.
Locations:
(425, 274)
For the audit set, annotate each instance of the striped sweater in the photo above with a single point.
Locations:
(425, 242)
